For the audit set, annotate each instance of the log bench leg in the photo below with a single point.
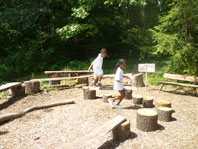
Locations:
(122, 132)
(54, 76)
(18, 90)
(161, 87)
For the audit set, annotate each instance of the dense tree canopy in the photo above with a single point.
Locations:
(42, 35)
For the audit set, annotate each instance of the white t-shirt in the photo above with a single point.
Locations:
(97, 65)
(118, 77)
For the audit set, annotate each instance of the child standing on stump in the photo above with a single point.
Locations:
(97, 68)
(118, 84)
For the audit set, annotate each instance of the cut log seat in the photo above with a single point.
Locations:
(95, 134)
(16, 87)
(9, 86)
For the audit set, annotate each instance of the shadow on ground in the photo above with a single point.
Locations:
(10, 101)
(111, 144)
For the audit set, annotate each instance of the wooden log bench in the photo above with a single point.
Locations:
(180, 78)
(71, 73)
(16, 87)
(99, 132)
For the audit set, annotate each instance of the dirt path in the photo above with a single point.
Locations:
(52, 128)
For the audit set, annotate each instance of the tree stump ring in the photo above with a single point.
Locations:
(164, 114)
(146, 120)
(163, 103)
(89, 94)
(128, 94)
(137, 99)
(148, 102)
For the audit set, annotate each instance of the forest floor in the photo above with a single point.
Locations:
(54, 127)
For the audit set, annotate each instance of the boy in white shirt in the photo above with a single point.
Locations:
(97, 67)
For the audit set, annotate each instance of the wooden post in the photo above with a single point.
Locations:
(89, 94)
(137, 80)
(83, 80)
(128, 94)
(146, 120)
(106, 97)
(137, 99)
(148, 102)
(163, 103)
(18, 90)
(31, 87)
(122, 132)
(54, 76)
(164, 114)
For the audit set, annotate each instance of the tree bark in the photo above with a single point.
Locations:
(146, 120)
(148, 102)
(128, 94)
(137, 99)
(137, 80)
(122, 132)
(89, 94)
(164, 114)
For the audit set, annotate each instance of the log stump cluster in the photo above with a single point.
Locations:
(89, 93)
(128, 94)
(122, 132)
(137, 99)
(106, 97)
(163, 103)
(148, 102)
(31, 87)
(146, 120)
(164, 114)
(54, 76)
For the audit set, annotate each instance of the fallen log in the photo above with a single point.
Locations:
(9, 116)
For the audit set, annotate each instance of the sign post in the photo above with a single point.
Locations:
(146, 68)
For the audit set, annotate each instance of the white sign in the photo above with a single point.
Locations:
(146, 67)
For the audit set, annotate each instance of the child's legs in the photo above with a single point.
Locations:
(120, 98)
(95, 79)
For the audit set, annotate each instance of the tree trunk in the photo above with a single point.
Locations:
(137, 80)
(122, 132)
(89, 94)
(148, 102)
(164, 114)
(146, 120)
(128, 94)
(137, 99)
(106, 97)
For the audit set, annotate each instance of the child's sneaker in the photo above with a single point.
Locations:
(93, 84)
(100, 85)
(111, 103)
(117, 107)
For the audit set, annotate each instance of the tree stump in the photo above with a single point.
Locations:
(18, 90)
(89, 94)
(163, 103)
(31, 87)
(146, 120)
(148, 102)
(54, 76)
(128, 94)
(106, 97)
(137, 99)
(122, 132)
(137, 80)
(164, 114)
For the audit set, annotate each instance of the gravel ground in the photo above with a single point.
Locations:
(53, 128)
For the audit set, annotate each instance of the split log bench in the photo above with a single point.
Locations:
(101, 131)
(180, 78)
(16, 87)
(71, 73)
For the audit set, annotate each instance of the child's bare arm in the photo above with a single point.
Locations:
(90, 67)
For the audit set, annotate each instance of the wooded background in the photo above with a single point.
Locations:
(38, 35)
